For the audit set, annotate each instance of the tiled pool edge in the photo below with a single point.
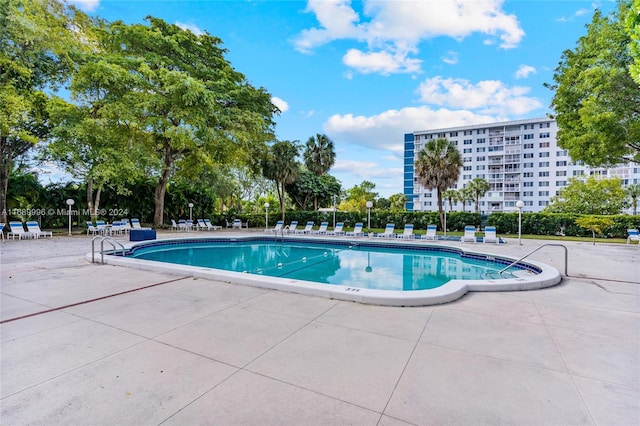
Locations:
(453, 290)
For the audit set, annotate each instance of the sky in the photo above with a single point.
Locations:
(366, 72)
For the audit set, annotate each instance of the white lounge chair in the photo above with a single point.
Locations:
(126, 225)
(469, 234)
(202, 225)
(17, 230)
(135, 224)
(490, 235)
(337, 230)
(210, 225)
(388, 231)
(116, 228)
(322, 230)
(357, 230)
(2, 230)
(174, 225)
(277, 228)
(633, 235)
(307, 229)
(431, 233)
(237, 224)
(92, 228)
(291, 229)
(183, 225)
(407, 234)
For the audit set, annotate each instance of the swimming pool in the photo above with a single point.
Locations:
(388, 273)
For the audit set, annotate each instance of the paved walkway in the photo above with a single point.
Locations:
(184, 351)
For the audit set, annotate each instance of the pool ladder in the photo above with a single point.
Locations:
(566, 257)
(102, 240)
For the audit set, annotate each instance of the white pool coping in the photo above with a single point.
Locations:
(450, 291)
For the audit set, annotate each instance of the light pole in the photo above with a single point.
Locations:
(191, 212)
(369, 205)
(445, 219)
(520, 205)
(70, 202)
(266, 215)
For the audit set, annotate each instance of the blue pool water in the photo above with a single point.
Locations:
(361, 265)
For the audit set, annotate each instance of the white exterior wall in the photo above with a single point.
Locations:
(520, 159)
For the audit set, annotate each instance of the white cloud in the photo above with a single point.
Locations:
(86, 5)
(451, 58)
(488, 96)
(393, 30)
(385, 131)
(382, 62)
(524, 71)
(282, 105)
(190, 27)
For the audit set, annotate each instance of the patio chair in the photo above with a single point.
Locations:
(91, 228)
(183, 225)
(490, 235)
(2, 230)
(388, 231)
(431, 233)
(357, 230)
(633, 235)
(237, 224)
(126, 225)
(135, 224)
(407, 234)
(307, 229)
(337, 230)
(322, 230)
(174, 225)
(102, 227)
(17, 230)
(469, 234)
(210, 225)
(202, 225)
(116, 228)
(291, 229)
(277, 228)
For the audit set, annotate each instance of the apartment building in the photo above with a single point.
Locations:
(520, 159)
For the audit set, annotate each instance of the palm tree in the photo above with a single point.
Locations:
(477, 188)
(438, 166)
(452, 196)
(633, 192)
(319, 157)
(281, 166)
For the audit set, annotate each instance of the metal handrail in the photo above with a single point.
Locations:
(110, 241)
(566, 258)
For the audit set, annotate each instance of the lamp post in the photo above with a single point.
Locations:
(191, 212)
(266, 215)
(520, 205)
(70, 202)
(369, 205)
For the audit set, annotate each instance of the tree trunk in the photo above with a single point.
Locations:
(282, 195)
(440, 211)
(477, 204)
(161, 187)
(5, 171)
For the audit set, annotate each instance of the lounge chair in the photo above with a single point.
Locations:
(92, 228)
(337, 230)
(357, 231)
(17, 230)
(135, 224)
(291, 229)
(237, 224)
(633, 235)
(322, 230)
(407, 234)
(126, 225)
(103, 229)
(202, 225)
(116, 228)
(174, 225)
(490, 235)
(469, 234)
(210, 225)
(307, 229)
(431, 233)
(2, 230)
(277, 228)
(388, 231)
(183, 225)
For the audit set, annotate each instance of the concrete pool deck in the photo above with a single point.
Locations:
(179, 350)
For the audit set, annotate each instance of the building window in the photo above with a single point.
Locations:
(545, 135)
(481, 140)
(467, 168)
(545, 125)
(528, 146)
(543, 154)
(527, 155)
(468, 132)
(544, 145)
(453, 134)
(527, 165)
(543, 193)
(527, 194)
(467, 150)
(543, 174)
(468, 141)
(543, 203)
(561, 172)
(543, 183)
(466, 177)
(527, 174)
(527, 184)
(481, 158)
(562, 153)
(480, 167)
(528, 136)
(543, 164)
(578, 172)
(480, 149)
(426, 203)
(561, 163)
(561, 183)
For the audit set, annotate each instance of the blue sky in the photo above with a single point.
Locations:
(366, 72)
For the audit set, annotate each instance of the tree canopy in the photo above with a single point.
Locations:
(591, 196)
(596, 100)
